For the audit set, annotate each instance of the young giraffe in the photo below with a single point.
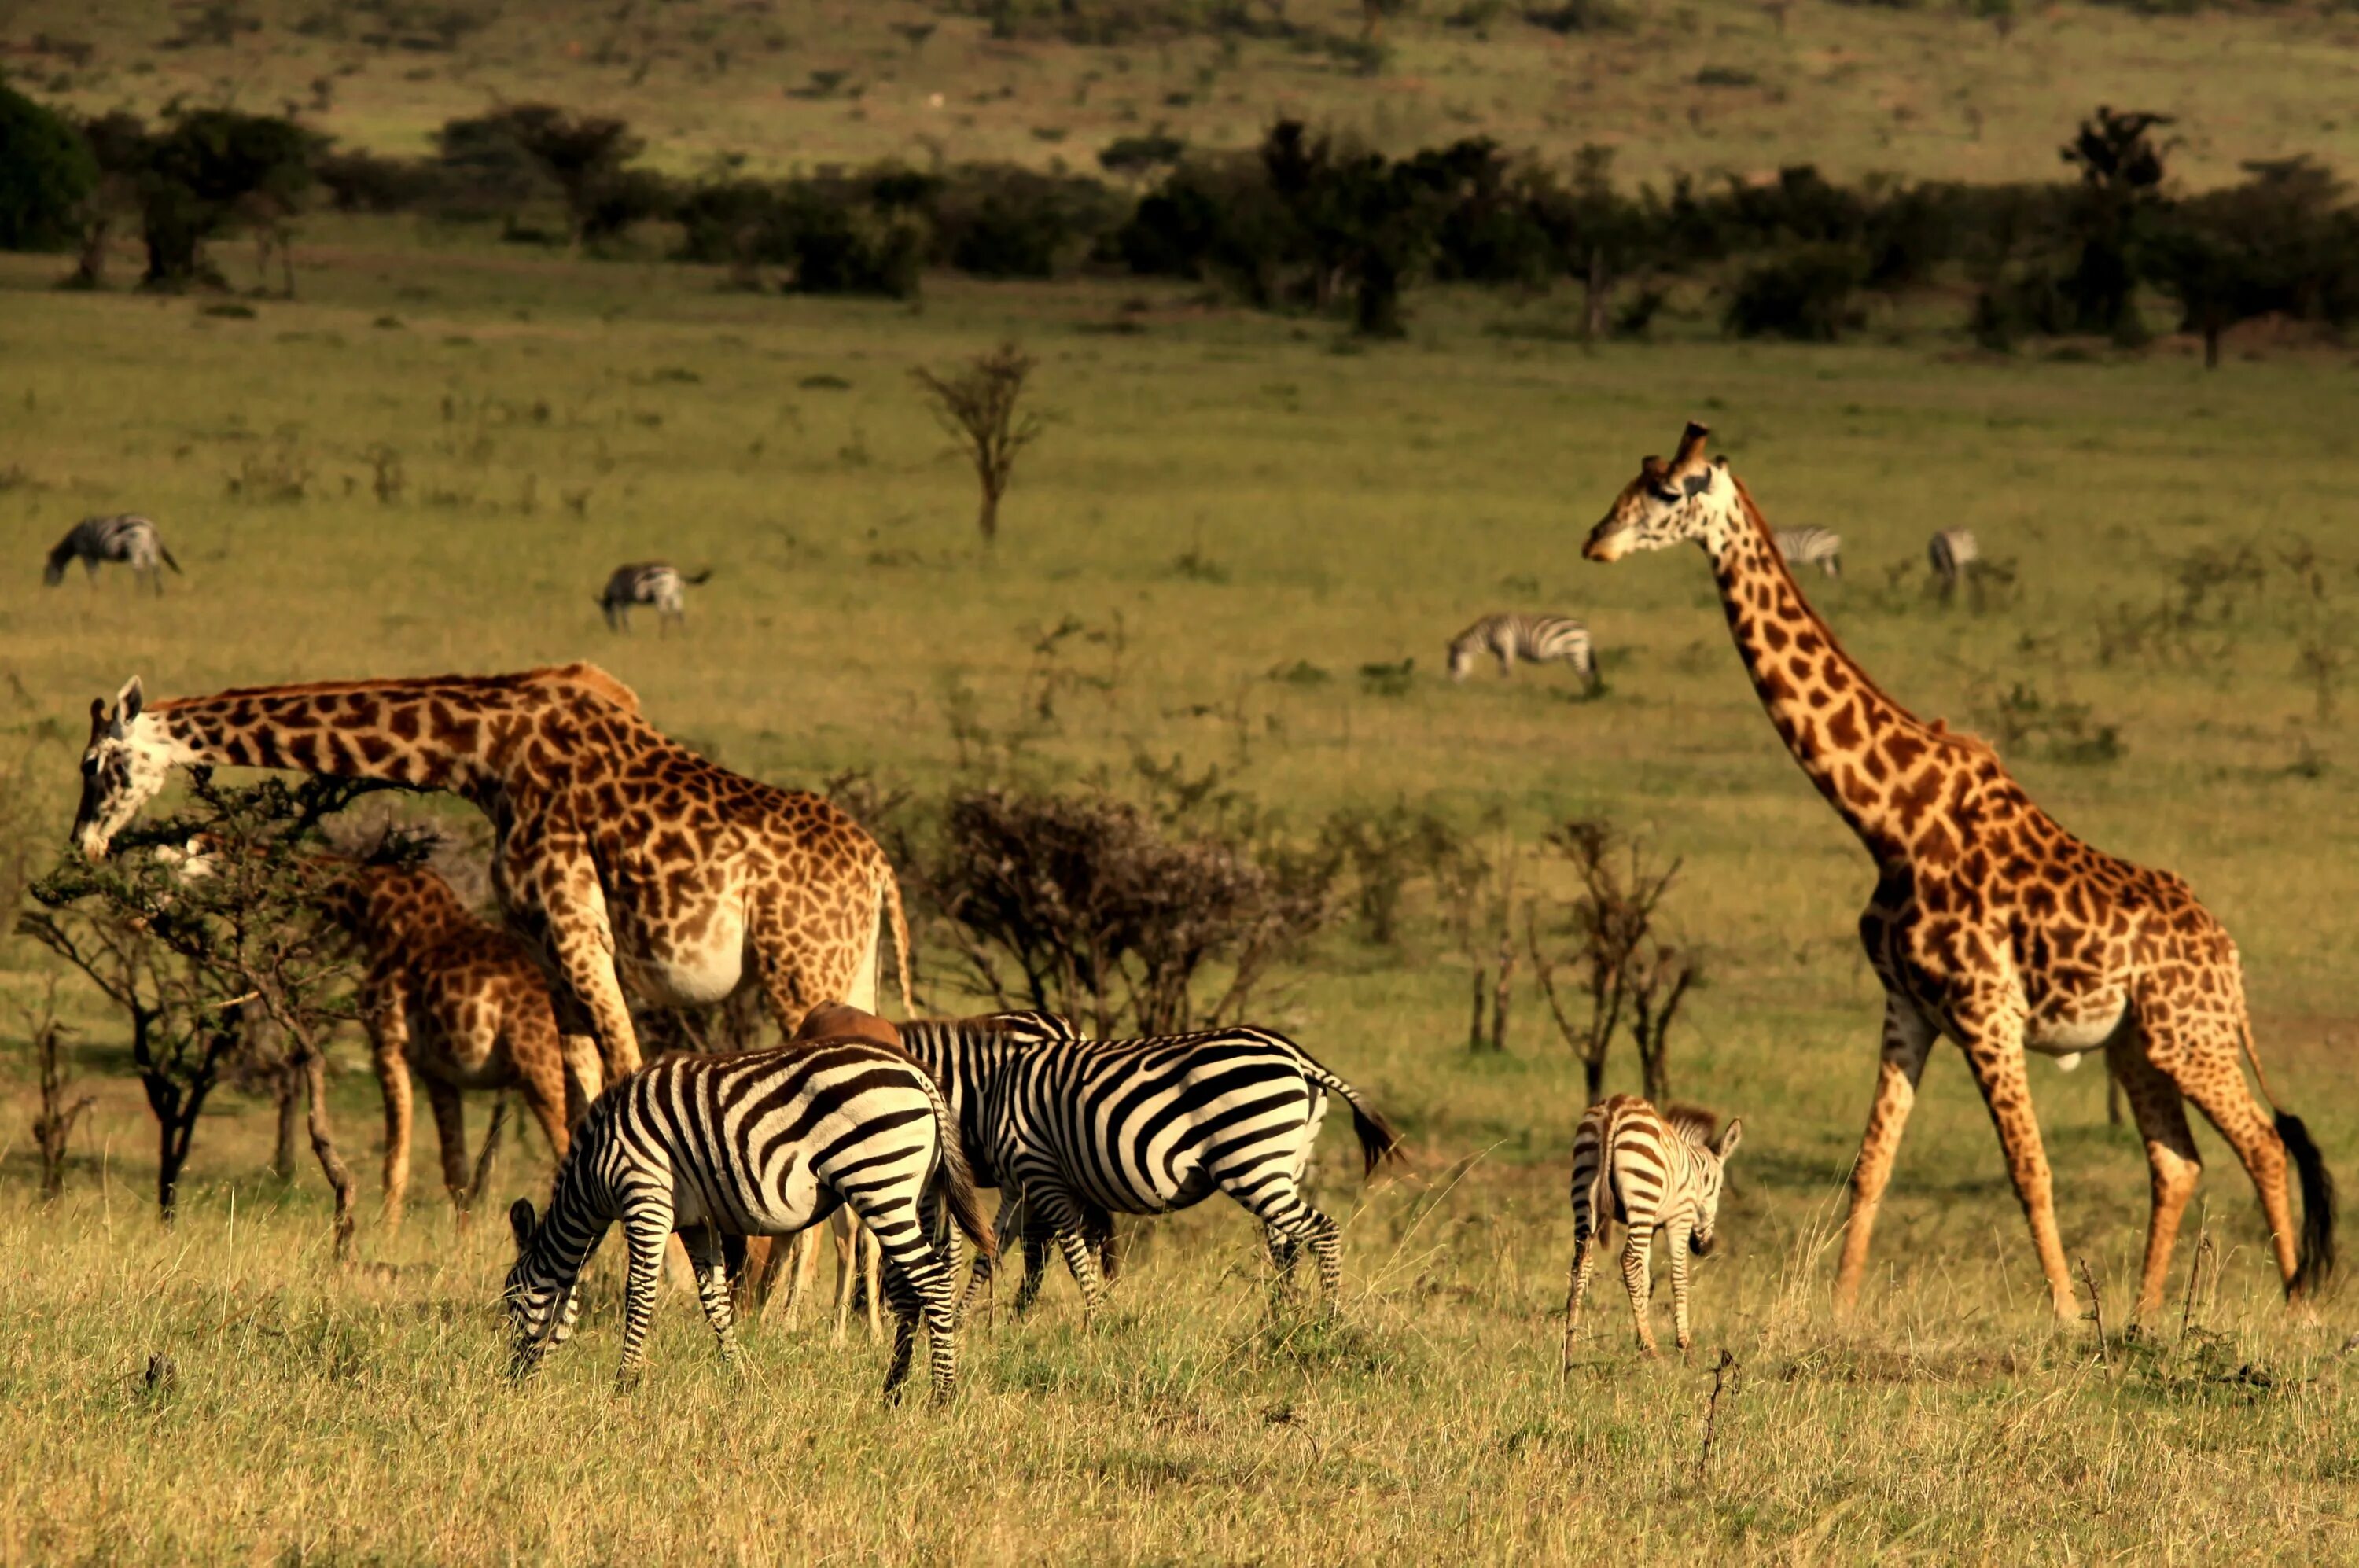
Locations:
(1990, 923)
(462, 1003)
(626, 861)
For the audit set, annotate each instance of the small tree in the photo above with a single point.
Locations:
(211, 168)
(585, 157)
(978, 406)
(1625, 971)
(46, 173)
(182, 953)
(53, 1128)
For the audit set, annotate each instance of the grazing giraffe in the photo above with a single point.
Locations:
(1990, 923)
(463, 1004)
(626, 861)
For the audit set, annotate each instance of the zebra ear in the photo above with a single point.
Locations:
(1730, 1137)
(522, 1221)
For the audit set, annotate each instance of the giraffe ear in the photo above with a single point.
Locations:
(1730, 1137)
(127, 703)
(97, 717)
(522, 1221)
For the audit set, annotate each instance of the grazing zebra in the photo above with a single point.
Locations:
(126, 537)
(1651, 1170)
(1084, 1129)
(648, 582)
(1953, 552)
(1535, 640)
(760, 1143)
(1821, 547)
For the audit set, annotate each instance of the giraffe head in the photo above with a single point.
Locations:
(1711, 1151)
(542, 1304)
(1691, 497)
(127, 759)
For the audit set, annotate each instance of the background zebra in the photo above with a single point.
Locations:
(762, 1143)
(1821, 547)
(126, 536)
(1082, 1130)
(1654, 1170)
(1950, 552)
(651, 583)
(1537, 639)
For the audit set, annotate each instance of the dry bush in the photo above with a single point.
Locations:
(1628, 973)
(977, 404)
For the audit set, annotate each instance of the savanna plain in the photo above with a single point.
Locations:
(1224, 522)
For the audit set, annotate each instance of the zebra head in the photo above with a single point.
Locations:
(1461, 658)
(537, 1323)
(127, 759)
(1690, 498)
(1713, 1163)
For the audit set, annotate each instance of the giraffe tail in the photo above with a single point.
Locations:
(893, 923)
(2315, 1253)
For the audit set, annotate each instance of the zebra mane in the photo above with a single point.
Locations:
(1694, 1123)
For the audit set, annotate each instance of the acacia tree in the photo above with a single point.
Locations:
(182, 953)
(1627, 973)
(978, 406)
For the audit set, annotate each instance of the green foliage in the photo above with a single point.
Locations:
(46, 173)
(1807, 296)
(208, 168)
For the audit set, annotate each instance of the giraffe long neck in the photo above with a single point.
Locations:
(423, 735)
(1859, 746)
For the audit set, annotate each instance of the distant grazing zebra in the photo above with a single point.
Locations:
(648, 582)
(1952, 552)
(126, 537)
(1821, 547)
(1652, 1170)
(1084, 1129)
(1535, 640)
(760, 1143)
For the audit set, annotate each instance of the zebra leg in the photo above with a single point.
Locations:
(1677, 1238)
(915, 1279)
(1036, 1266)
(1635, 1263)
(1052, 1211)
(706, 1256)
(646, 1232)
(1585, 1248)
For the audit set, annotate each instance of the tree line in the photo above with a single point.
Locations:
(1305, 222)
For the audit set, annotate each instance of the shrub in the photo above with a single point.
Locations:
(211, 166)
(1005, 222)
(46, 173)
(359, 181)
(1806, 294)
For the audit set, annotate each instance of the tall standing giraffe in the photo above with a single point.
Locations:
(627, 861)
(1990, 923)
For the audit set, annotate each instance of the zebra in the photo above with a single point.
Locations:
(1651, 1170)
(1821, 547)
(648, 582)
(126, 536)
(1535, 640)
(1080, 1131)
(1952, 553)
(756, 1143)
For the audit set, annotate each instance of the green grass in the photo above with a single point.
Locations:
(1857, 88)
(1359, 509)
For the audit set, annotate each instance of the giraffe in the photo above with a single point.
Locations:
(462, 1003)
(1990, 924)
(625, 861)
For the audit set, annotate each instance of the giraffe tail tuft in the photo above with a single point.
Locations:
(2317, 1250)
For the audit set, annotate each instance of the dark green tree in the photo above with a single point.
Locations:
(46, 173)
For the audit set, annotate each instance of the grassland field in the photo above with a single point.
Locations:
(1234, 497)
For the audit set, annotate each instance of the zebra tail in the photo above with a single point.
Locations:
(1378, 1140)
(701, 575)
(955, 1183)
(168, 560)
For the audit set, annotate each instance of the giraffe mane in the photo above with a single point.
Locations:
(583, 676)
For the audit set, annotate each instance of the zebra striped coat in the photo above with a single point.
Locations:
(127, 538)
(1821, 547)
(1082, 1130)
(761, 1143)
(1535, 640)
(650, 582)
(1652, 1170)
(1950, 553)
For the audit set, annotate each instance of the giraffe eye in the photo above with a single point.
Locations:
(1663, 493)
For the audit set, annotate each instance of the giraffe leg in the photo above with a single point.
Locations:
(1907, 1040)
(547, 1094)
(1636, 1277)
(2172, 1163)
(704, 1247)
(583, 948)
(393, 1080)
(2201, 1053)
(1994, 1044)
(450, 1132)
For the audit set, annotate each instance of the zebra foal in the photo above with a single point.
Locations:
(1535, 639)
(1652, 1170)
(1821, 547)
(653, 583)
(126, 536)
(1080, 1131)
(762, 1143)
